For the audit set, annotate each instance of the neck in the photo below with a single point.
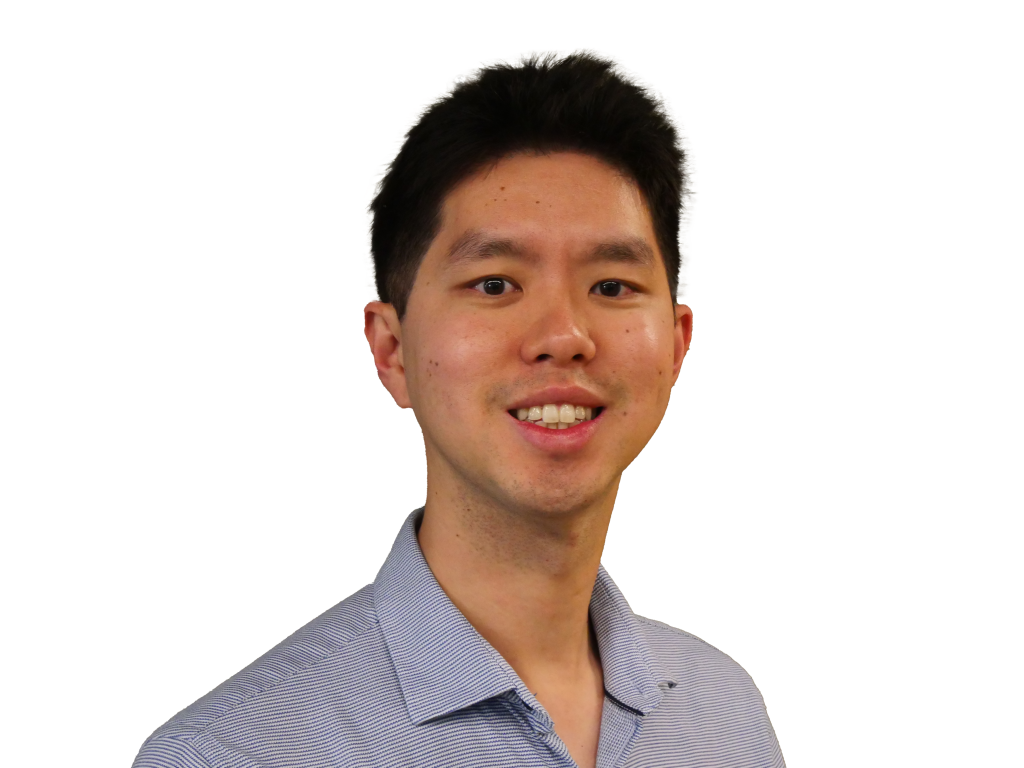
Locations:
(523, 578)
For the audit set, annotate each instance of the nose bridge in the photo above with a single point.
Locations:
(559, 331)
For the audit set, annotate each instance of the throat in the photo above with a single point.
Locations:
(527, 594)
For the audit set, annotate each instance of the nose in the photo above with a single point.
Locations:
(558, 333)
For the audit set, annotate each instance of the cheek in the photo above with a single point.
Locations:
(646, 359)
(452, 359)
(646, 350)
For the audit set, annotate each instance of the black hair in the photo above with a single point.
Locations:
(578, 103)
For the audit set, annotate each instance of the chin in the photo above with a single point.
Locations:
(562, 501)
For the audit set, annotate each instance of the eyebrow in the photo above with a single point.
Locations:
(632, 250)
(475, 245)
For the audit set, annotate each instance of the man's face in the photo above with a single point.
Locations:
(544, 286)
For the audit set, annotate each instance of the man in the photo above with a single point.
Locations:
(525, 244)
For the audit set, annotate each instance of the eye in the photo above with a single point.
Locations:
(494, 286)
(611, 289)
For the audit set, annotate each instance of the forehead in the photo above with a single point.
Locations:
(557, 200)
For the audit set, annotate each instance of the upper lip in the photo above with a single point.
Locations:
(558, 396)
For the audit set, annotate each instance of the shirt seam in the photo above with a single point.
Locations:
(210, 723)
(185, 740)
(192, 747)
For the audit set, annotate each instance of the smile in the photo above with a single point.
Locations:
(556, 416)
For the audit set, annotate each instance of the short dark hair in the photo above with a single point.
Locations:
(578, 103)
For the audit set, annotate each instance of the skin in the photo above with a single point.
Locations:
(515, 521)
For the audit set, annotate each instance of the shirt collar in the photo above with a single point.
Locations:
(633, 675)
(444, 665)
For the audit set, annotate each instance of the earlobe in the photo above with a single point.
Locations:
(682, 332)
(383, 333)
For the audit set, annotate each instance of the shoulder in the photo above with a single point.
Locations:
(686, 657)
(296, 664)
(711, 701)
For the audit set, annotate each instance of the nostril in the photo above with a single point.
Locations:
(578, 356)
(543, 357)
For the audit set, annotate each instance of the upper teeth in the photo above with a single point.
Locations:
(554, 416)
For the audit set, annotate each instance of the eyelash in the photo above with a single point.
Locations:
(493, 278)
(479, 286)
(624, 286)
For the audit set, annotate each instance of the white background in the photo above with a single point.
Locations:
(196, 457)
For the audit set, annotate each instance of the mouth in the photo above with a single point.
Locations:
(556, 415)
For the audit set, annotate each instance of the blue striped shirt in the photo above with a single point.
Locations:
(396, 676)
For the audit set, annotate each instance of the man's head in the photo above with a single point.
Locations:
(541, 279)
(577, 104)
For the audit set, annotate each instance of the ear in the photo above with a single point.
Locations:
(683, 331)
(384, 334)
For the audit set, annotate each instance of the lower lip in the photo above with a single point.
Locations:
(558, 440)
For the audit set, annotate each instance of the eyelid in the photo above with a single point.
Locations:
(476, 284)
(628, 286)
